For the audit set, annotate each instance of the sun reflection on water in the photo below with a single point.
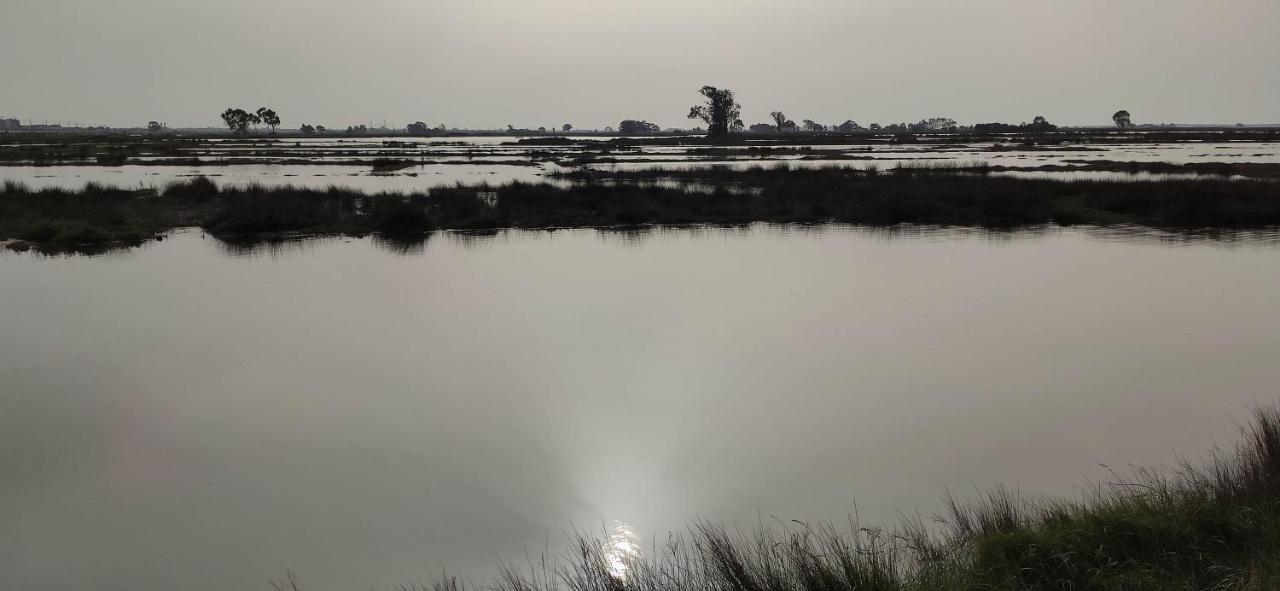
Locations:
(621, 549)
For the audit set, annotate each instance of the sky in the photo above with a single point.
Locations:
(592, 63)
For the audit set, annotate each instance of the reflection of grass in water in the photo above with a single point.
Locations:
(402, 244)
(1214, 525)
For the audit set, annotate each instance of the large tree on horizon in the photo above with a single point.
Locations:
(268, 117)
(779, 119)
(238, 120)
(720, 111)
(1122, 119)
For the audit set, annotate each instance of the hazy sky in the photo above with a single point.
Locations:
(591, 63)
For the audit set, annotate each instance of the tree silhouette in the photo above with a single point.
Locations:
(1122, 119)
(719, 111)
(1039, 124)
(268, 117)
(779, 119)
(238, 120)
(566, 128)
(154, 126)
(634, 127)
(933, 124)
(848, 126)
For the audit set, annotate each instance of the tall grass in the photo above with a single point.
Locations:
(59, 219)
(1213, 525)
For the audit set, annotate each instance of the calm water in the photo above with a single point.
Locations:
(184, 416)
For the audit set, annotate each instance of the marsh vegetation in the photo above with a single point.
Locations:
(55, 220)
(1208, 525)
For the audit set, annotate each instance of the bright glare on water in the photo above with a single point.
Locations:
(622, 548)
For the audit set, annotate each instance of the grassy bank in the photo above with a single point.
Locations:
(951, 195)
(1212, 525)
(59, 220)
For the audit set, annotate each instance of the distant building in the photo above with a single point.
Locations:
(8, 124)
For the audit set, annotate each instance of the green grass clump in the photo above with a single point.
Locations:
(55, 220)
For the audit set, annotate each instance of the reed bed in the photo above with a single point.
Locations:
(940, 194)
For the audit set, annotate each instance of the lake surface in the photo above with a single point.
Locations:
(191, 416)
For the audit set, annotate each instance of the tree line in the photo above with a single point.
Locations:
(238, 120)
(718, 110)
(721, 114)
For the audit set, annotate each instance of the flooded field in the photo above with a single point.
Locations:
(408, 164)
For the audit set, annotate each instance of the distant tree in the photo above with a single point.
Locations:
(320, 129)
(268, 117)
(762, 128)
(307, 129)
(874, 127)
(1040, 123)
(719, 111)
(417, 128)
(566, 128)
(230, 119)
(779, 119)
(636, 127)
(933, 124)
(994, 127)
(849, 126)
(1122, 119)
(154, 126)
(811, 125)
(238, 120)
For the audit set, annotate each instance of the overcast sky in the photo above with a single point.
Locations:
(530, 63)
